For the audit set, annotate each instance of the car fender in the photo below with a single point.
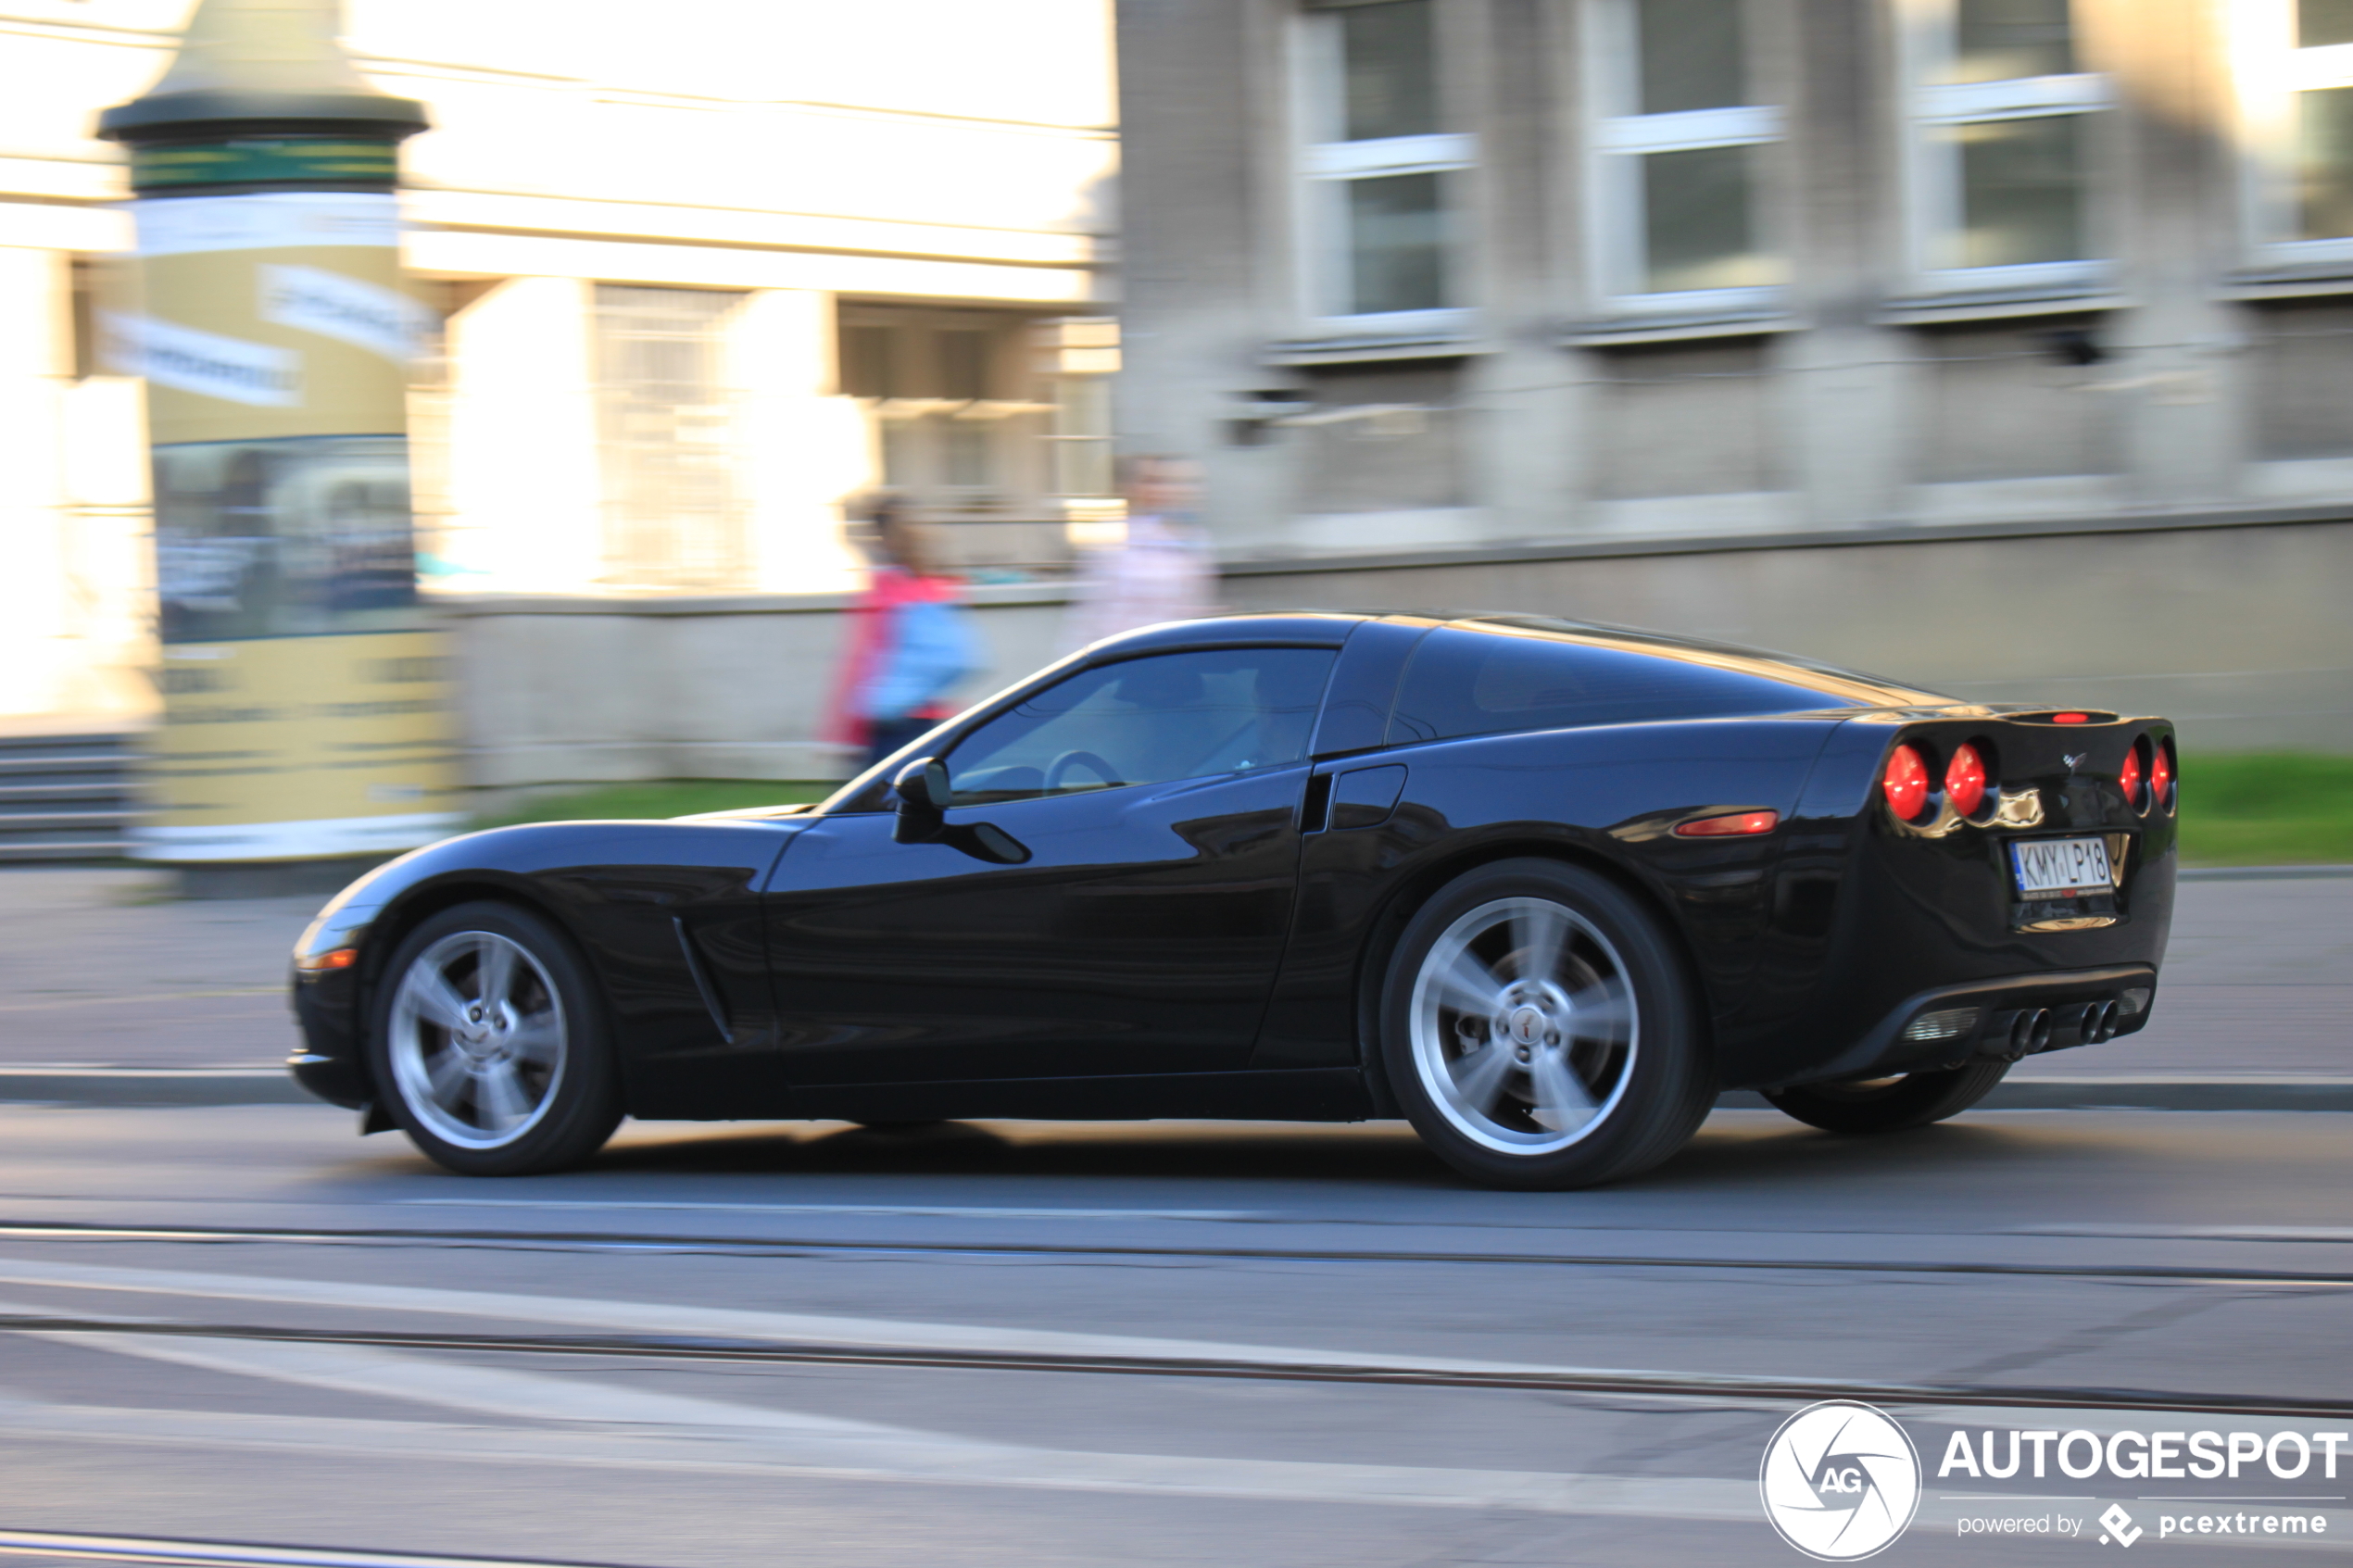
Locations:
(650, 903)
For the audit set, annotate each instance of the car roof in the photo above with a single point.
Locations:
(1329, 628)
(1326, 629)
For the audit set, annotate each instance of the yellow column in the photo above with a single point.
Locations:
(306, 705)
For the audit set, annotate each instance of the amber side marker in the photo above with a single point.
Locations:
(335, 958)
(1732, 826)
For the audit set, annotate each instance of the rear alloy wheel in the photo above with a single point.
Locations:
(1889, 1105)
(1539, 1030)
(490, 1045)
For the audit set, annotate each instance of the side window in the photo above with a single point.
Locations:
(1146, 720)
(1478, 684)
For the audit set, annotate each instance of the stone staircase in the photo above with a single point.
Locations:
(66, 796)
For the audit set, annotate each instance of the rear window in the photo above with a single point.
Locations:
(1487, 682)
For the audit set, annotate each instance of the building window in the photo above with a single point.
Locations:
(2006, 122)
(2323, 78)
(668, 438)
(1079, 358)
(1682, 148)
(987, 416)
(1383, 177)
(939, 386)
(2295, 63)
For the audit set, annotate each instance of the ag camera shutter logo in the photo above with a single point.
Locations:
(1840, 1480)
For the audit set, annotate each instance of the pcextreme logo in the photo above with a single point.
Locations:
(1840, 1480)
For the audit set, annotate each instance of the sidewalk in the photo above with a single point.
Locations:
(110, 994)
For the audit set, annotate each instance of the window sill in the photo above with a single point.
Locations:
(1371, 350)
(1634, 331)
(1996, 305)
(2253, 286)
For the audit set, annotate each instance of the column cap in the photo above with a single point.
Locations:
(247, 66)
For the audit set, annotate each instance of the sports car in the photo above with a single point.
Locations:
(1542, 888)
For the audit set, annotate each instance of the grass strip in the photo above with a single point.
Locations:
(2266, 808)
(664, 798)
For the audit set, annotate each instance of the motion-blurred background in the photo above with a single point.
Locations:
(2001, 345)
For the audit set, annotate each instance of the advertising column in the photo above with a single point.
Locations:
(307, 719)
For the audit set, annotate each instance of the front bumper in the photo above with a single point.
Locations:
(1926, 1032)
(330, 1063)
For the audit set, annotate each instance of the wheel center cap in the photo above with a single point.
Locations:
(1525, 1025)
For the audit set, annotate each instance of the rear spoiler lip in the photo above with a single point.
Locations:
(1982, 713)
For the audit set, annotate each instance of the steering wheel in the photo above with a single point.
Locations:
(1086, 760)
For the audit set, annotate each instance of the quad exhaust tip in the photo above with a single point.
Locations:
(2018, 1034)
(2030, 1032)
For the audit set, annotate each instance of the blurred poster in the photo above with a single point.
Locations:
(284, 538)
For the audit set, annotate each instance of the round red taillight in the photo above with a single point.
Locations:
(1965, 780)
(1905, 782)
(2161, 778)
(2129, 781)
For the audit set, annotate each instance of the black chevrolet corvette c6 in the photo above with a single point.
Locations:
(1541, 888)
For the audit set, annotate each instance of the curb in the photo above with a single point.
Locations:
(2138, 1094)
(127, 1087)
(151, 1086)
(2260, 873)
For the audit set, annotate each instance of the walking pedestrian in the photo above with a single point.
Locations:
(1162, 570)
(911, 642)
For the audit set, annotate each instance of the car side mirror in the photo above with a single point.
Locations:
(925, 793)
(923, 785)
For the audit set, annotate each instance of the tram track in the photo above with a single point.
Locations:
(611, 1241)
(81, 1547)
(1339, 1368)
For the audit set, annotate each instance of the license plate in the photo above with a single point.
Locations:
(2059, 868)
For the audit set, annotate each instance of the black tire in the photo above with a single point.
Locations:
(1889, 1105)
(1603, 1071)
(528, 1084)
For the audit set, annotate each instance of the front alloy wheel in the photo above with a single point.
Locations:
(477, 1039)
(490, 1043)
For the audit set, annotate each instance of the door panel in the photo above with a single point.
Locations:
(1142, 937)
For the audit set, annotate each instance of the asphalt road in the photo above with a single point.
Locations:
(1165, 1343)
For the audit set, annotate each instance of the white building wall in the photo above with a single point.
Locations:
(806, 447)
(927, 151)
(33, 375)
(522, 441)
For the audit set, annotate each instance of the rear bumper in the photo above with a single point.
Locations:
(1931, 1029)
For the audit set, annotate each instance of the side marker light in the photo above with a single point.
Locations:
(1739, 823)
(334, 957)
